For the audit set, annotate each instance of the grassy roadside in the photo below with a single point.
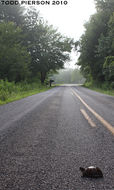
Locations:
(100, 89)
(9, 91)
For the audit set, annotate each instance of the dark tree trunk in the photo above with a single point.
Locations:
(43, 77)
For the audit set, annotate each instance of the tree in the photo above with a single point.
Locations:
(49, 50)
(106, 42)
(14, 58)
(96, 43)
(109, 68)
(13, 13)
(104, 5)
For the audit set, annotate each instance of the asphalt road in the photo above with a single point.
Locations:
(45, 138)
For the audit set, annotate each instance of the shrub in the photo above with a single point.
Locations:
(11, 89)
(108, 68)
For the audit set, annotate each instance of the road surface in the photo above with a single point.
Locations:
(45, 138)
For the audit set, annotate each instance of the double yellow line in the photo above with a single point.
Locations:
(101, 119)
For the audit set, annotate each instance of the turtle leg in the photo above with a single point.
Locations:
(82, 169)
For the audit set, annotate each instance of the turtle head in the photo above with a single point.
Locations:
(82, 169)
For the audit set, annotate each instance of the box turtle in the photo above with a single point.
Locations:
(92, 172)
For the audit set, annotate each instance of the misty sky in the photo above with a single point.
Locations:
(69, 18)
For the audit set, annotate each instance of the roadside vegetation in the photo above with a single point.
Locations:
(9, 91)
(96, 47)
(103, 89)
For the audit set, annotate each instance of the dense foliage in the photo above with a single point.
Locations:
(14, 58)
(10, 91)
(96, 45)
(29, 47)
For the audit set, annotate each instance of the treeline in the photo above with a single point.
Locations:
(96, 46)
(69, 76)
(30, 48)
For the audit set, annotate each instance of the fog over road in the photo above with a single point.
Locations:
(45, 138)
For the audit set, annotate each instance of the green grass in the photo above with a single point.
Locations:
(9, 91)
(103, 89)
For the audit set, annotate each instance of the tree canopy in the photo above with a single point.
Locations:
(14, 58)
(97, 43)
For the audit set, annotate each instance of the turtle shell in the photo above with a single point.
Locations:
(92, 172)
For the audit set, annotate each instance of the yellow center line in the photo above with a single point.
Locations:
(87, 118)
(101, 119)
